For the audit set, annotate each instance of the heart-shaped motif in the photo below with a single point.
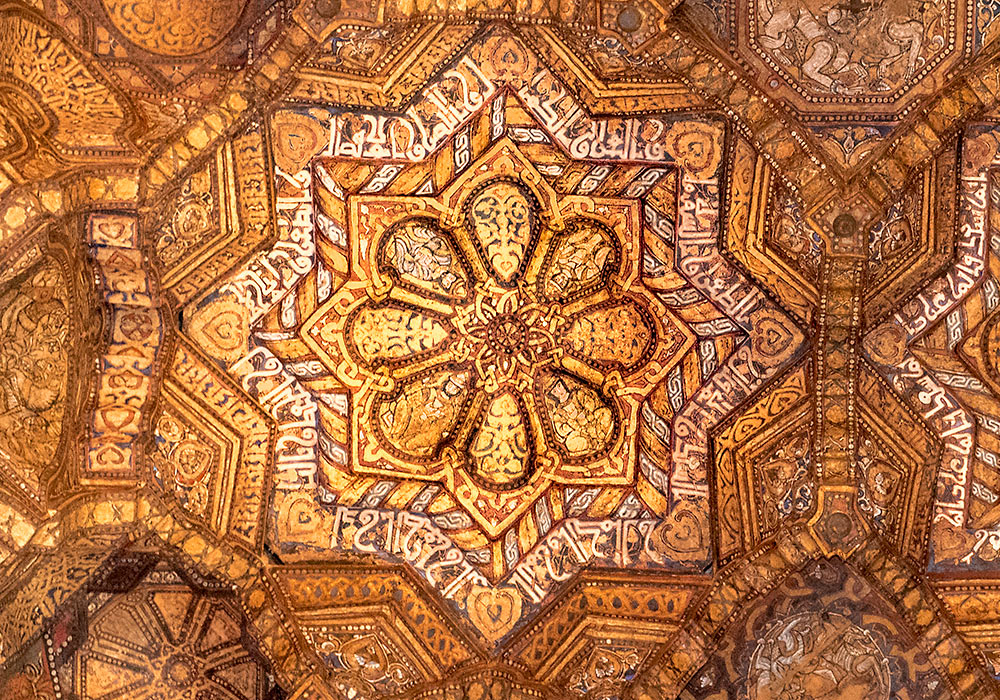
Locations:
(770, 339)
(494, 611)
(117, 231)
(117, 419)
(222, 329)
(226, 329)
(299, 519)
(109, 457)
(297, 139)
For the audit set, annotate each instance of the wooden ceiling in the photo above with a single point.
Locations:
(569, 349)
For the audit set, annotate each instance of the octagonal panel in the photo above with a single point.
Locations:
(830, 57)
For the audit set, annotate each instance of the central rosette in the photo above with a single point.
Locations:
(493, 344)
(509, 332)
(506, 334)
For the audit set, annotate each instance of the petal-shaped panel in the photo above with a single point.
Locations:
(35, 345)
(391, 333)
(418, 255)
(618, 335)
(502, 218)
(578, 420)
(501, 450)
(420, 418)
(580, 260)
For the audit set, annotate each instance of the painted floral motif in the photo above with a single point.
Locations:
(34, 350)
(879, 485)
(605, 672)
(504, 351)
(365, 660)
(786, 485)
(182, 463)
(853, 48)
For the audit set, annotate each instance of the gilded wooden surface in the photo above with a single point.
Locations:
(538, 349)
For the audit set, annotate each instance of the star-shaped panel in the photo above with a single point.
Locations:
(493, 332)
(496, 343)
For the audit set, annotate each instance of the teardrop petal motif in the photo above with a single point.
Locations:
(579, 421)
(391, 333)
(580, 260)
(501, 449)
(617, 335)
(420, 256)
(420, 418)
(502, 216)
